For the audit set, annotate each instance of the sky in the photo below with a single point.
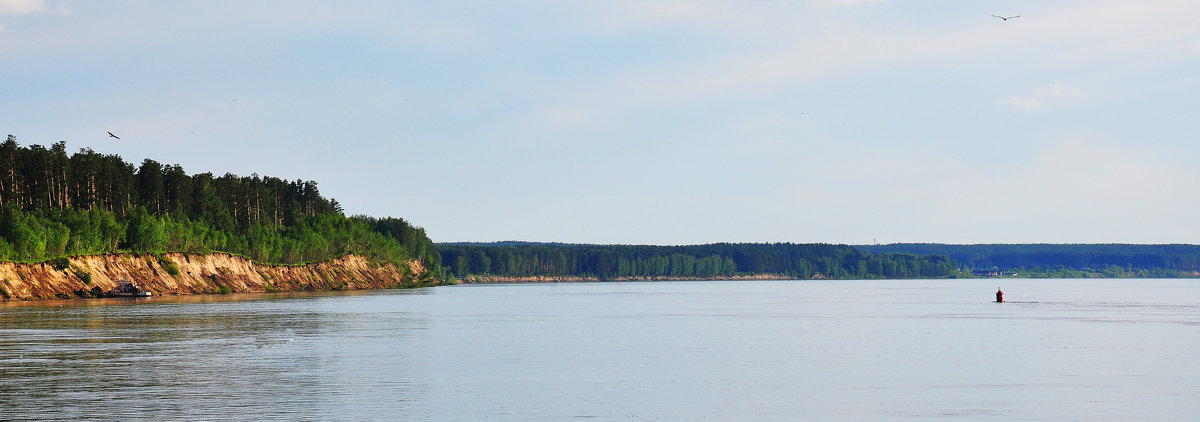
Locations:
(648, 122)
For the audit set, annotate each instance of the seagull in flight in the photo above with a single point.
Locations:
(1007, 18)
(115, 136)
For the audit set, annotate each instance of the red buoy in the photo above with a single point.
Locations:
(999, 295)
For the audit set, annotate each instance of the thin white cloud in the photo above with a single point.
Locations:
(734, 20)
(1192, 47)
(1042, 98)
(26, 7)
(839, 3)
(22, 7)
(118, 27)
(780, 54)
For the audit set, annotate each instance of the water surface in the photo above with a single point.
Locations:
(679, 351)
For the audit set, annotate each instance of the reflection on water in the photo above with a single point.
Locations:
(229, 357)
(687, 351)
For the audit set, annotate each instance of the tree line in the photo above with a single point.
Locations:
(53, 204)
(1139, 260)
(800, 261)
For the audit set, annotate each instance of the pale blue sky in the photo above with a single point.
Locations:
(650, 122)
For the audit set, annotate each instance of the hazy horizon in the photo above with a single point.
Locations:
(648, 122)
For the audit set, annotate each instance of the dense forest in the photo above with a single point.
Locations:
(1119, 260)
(53, 204)
(699, 261)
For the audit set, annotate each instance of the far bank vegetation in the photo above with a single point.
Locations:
(721, 260)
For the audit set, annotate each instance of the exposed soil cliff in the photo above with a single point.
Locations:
(183, 274)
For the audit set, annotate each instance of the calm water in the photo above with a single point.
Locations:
(1082, 350)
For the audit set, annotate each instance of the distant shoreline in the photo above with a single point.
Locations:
(495, 279)
(520, 262)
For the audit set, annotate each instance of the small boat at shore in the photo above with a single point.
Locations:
(126, 288)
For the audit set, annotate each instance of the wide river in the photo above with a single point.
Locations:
(1081, 350)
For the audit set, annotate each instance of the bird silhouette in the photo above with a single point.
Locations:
(115, 136)
(1007, 18)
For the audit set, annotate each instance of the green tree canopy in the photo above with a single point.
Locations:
(52, 205)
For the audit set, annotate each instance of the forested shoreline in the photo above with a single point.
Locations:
(719, 260)
(54, 204)
(1063, 260)
(532, 262)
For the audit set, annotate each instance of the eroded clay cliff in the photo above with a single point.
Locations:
(184, 274)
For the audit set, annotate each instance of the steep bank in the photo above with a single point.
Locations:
(184, 274)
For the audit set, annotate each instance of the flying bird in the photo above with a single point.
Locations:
(1007, 18)
(115, 136)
